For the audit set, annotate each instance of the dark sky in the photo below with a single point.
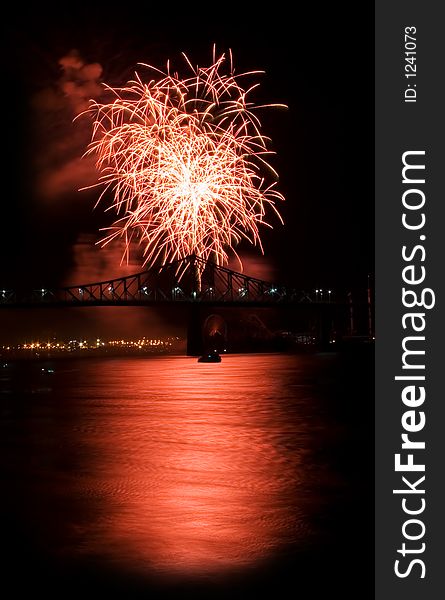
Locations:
(319, 62)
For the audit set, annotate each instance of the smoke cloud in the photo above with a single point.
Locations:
(255, 265)
(95, 263)
(58, 165)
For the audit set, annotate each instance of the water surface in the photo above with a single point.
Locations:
(167, 469)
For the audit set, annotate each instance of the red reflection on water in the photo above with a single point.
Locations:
(192, 465)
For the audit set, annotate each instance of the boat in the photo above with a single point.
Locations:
(210, 357)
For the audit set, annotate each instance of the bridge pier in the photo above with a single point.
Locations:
(195, 344)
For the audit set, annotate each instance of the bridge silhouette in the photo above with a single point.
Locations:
(190, 281)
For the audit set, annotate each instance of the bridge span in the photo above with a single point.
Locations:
(200, 285)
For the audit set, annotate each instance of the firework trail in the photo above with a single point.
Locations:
(184, 162)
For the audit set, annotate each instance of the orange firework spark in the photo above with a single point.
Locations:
(184, 160)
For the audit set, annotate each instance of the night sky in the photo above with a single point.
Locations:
(318, 62)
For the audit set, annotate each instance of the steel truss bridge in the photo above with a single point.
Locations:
(190, 280)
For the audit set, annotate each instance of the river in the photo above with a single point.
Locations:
(162, 476)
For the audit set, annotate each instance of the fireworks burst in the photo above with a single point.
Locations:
(185, 162)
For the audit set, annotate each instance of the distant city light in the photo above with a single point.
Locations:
(144, 344)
